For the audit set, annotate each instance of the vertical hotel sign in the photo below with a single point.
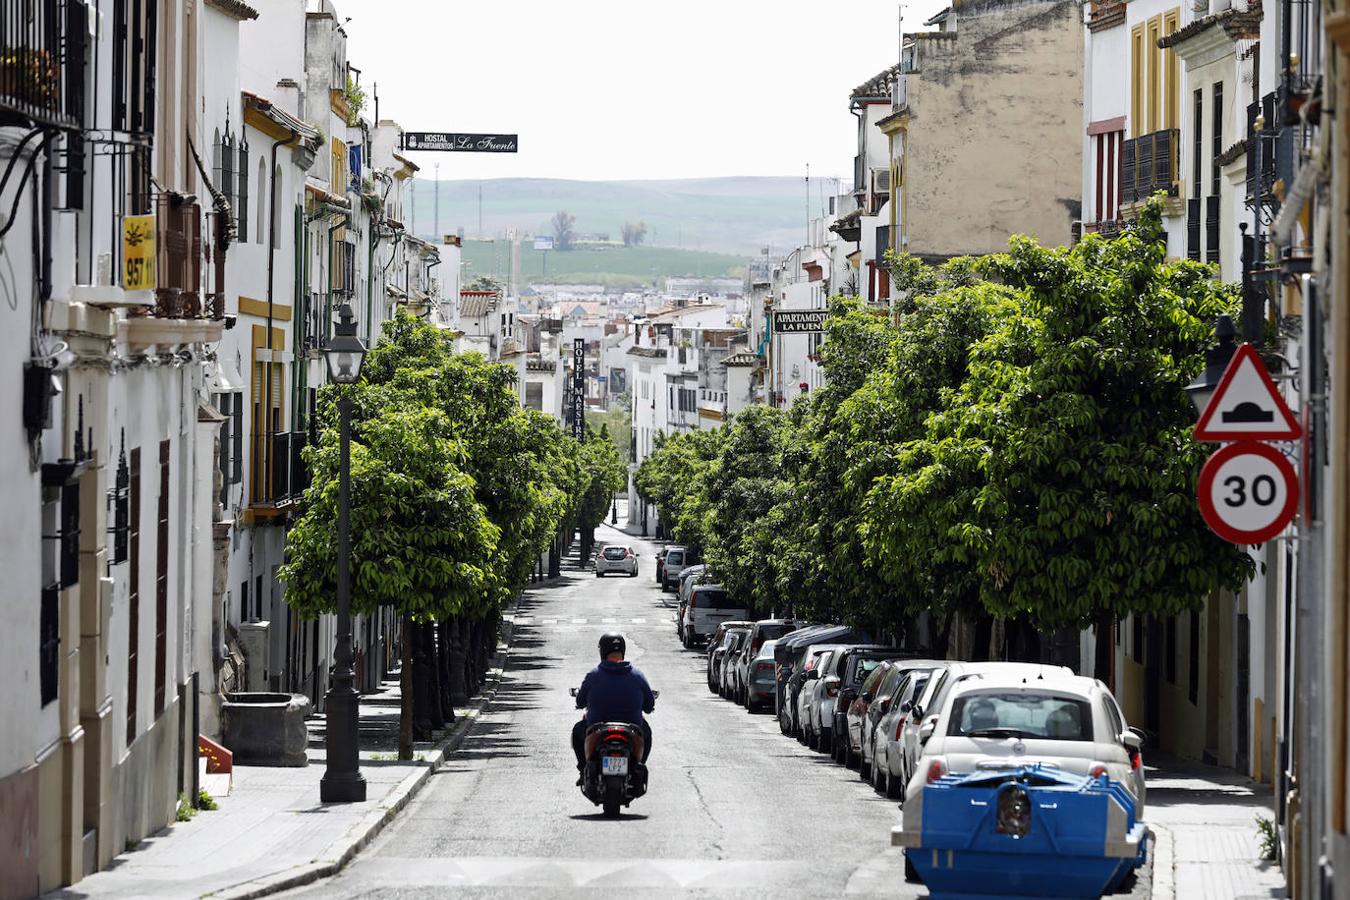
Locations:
(579, 388)
(138, 253)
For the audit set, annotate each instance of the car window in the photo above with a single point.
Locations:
(874, 679)
(864, 668)
(1021, 714)
(1113, 716)
(714, 599)
(774, 631)
(933, 691)
(675, 558)
(615, 553)
(823, 664)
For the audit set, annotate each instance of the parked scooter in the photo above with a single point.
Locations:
(615, 775)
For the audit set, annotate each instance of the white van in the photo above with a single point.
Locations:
(709, 606)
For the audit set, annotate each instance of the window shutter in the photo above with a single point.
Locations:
(1193, 228)
(242, 180)
(162, 579)
(1212, 229)
(1129, 171)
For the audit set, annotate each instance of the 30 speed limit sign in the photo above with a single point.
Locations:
(1248, 492)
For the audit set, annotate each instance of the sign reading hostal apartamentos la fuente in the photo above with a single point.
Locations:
(799, 321)
(460, 143)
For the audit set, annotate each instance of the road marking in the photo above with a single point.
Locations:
(639, 621)
(550, 621)
(609, 621)
(578, 621)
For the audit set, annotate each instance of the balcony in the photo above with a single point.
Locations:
(279, 475)
(43, 50)
(1149, 164)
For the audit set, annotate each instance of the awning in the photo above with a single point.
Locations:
(225, 379)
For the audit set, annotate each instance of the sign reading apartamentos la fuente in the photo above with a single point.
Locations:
(461, 143)
(799, 321)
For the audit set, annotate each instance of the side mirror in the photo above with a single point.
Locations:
(906, 706)
(848, 693)
(926, 730)
(1132, 741)
(813, 675)
(656, 695)
(573, 692)
(886, 705)
(867, 697)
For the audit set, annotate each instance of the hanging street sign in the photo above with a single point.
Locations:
(1248, 492)
(1246, 405)
(138, 253)
(799, 321)
(459, 142)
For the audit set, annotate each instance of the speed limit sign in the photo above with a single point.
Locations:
(1248, 492)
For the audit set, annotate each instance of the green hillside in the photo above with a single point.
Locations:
(612, 266)
(737, 215)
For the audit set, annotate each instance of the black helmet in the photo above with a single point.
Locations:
(612, 642)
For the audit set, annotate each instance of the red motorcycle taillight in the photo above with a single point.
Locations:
(616, 736)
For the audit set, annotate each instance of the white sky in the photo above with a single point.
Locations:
(619, 89)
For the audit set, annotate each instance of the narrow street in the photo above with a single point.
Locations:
(734, 808)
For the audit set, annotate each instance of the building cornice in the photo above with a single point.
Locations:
(235, 9)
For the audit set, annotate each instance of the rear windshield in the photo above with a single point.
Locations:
(864, 668)
(773, 632)
(1021, 714)
(615, 553)
(675, 558)
(713, 600)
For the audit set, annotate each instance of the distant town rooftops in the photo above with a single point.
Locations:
(476, 304)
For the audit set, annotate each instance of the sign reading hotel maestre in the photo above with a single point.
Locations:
(460, 143)
(799, 321)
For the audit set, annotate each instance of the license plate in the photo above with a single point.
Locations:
(614, 765)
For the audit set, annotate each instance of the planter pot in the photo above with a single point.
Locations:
(264, 729)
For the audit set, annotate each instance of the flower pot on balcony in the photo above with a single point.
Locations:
(264, 729)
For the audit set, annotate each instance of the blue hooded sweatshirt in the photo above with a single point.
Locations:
(615, 692)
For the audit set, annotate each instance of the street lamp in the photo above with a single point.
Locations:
(342, 780)
(1216, 361)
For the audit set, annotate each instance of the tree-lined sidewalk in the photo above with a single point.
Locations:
(1012, 446)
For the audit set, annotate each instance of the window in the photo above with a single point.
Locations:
(134, 597)
(231, 406)
(268, 393)
(162, 578)
(260, 236)
(1216, 140)
(1155, 78)
(1021, 714)
(49, 644)
(534, 395)
(1107, 147)
(241, 178)
(1194, 201)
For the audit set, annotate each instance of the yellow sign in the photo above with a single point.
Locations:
(138, 253)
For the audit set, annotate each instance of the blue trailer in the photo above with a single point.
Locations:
(1034, 831)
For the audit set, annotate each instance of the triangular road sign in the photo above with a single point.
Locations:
(1246, 406)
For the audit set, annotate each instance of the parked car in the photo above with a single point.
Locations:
(944, 679)
(616, 558)
(728, 686)
(821, 692)
(867, 671)
(676, 560)
(888, 694)
(760, 685)
(789, 656)
(661, 563)
(858, 663)
(997, 719)
(709, 605)
(819, 657)
(691, 576)
(890, 773)
(723, 642)
(763, 630)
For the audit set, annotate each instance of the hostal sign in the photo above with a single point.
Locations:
(460, 143)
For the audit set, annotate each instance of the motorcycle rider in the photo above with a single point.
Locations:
(613, 691)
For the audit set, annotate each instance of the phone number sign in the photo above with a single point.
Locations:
(1248, 492)
(138, 253)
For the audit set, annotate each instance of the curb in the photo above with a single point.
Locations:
(359, 836)
(1162, 868)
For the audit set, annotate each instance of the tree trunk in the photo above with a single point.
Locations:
(459, 689)
(443, 668)
(434, 711)
(555, 558)
(405, 719)
(421, 686)
(1103, 667)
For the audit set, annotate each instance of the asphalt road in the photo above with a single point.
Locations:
(734, 808)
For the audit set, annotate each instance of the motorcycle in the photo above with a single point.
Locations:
(615, 775)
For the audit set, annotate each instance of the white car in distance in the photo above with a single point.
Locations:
(1004, 720)
(617, 559)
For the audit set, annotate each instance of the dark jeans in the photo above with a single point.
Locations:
(579, 742)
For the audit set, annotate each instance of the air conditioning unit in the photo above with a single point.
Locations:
(881, 181)
(255, 641)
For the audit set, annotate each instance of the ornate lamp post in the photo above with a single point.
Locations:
(342, 780)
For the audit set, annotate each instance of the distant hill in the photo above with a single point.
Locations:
(617, 267)
(738, 215)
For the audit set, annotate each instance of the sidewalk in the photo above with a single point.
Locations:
(271, 833)
(1204, 822)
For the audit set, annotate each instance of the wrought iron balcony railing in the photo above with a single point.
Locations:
(1149, 165)
(44, 46)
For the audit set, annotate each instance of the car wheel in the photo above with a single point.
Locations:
(823, 741)
(850, 760)
(894, 788)
(750, 705)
